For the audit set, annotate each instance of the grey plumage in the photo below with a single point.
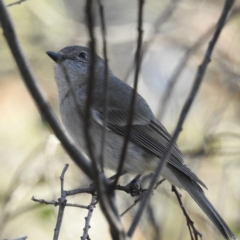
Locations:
(148, 138)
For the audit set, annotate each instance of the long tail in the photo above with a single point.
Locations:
(198, 195)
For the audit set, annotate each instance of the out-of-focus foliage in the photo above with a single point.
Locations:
(32, 159)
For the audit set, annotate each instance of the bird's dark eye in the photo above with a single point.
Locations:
(83, 55)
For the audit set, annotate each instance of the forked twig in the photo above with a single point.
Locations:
(89, 216)
(62, 205)
(194, 233)
(57, 203)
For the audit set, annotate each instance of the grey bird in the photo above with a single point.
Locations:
(148, 138)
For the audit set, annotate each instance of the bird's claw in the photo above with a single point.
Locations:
(135, 186)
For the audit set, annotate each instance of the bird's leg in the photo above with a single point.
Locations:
(135, 186)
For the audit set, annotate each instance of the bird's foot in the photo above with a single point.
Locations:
(135, 187)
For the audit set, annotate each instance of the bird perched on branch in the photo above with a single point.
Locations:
(148, 138)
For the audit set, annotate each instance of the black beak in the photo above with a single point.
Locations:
(54, 56)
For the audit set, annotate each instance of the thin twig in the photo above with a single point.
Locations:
(194, 233)
(159, 183)
(21, 238)
(62, 205)
(62, 179)
(16, 3)
(106, 76)
(135, 202)
(89, 190)
(90, 86)
(106, 198)
(114, 176)
(198, 80)
(134, 92)
(56, 203)
(40, 100)
(159, 22)
(88, 218)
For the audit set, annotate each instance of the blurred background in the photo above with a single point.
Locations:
(176, 35)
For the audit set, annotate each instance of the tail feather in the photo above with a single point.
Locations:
(198, 195)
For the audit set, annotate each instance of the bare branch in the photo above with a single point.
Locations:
(194, 233)
(134, 93)
(16, 3)
(34, 89)
(159, 183)
(62, 205)
(89, 216)
(90, 87)
(106, 79)
(106, 201)
(198, 80)
(135, 202)
(89, 190)
(63, 194)
(21, 238)
(57, 203)
(162, 19)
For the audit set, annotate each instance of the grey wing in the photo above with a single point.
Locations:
(149, 134)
